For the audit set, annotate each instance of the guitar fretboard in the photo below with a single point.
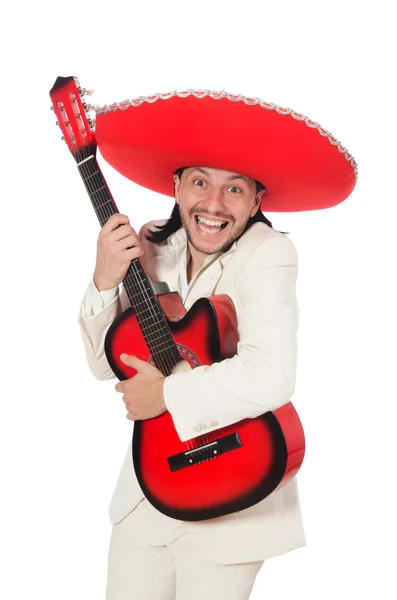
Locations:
(146, 307)
(97, 189)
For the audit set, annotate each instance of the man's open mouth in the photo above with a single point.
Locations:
(210, 225)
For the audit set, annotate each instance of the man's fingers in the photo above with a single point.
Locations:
(123, 247)
(129, 359)
(115, 221)
(123, 232)
(142, 366)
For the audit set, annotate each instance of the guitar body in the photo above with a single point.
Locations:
(258, 455)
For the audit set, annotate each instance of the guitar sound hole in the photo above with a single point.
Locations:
(190, 360)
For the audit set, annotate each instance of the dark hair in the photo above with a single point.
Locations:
(174, 222)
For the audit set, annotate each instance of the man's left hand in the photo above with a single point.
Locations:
(143, 394)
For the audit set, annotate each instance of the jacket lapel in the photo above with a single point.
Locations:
(205, 283)
(164, 268)
(208, 279)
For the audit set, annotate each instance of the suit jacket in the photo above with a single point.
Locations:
(259, 274)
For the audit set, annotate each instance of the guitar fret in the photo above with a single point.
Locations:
(148, 335)
(148, 319)
(98, 190)
(145, 302)
(152, 329)
(140, 291)
(155, 328)
(92, 175)
(159, 338)
(137, 314)
(159, 324)
(100, 205)
(159, 352)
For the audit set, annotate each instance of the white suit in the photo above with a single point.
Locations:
(259, 274)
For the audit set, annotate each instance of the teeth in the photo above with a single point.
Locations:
(208, 230)
(214, 223)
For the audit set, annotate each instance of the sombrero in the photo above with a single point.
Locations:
(301, 165)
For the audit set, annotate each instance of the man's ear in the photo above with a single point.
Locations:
(256, 203)
(177, 185)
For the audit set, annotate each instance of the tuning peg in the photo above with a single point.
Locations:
(57, 123)
(52, 108)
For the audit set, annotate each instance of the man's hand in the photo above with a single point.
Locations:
(143, 394)
(117, 246)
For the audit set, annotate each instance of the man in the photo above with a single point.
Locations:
(217, 241)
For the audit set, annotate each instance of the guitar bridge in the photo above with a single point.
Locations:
(204, 452)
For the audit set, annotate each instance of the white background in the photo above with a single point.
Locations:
(63, 433)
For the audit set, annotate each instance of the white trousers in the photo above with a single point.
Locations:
(178, 569)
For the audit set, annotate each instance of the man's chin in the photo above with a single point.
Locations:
(208, 246)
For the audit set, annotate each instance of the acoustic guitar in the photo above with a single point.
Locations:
(227, 469)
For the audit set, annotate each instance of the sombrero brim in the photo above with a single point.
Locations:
(302, 166)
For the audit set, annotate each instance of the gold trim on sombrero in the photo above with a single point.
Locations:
(233, 98)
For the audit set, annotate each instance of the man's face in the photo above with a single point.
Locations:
(215, 206)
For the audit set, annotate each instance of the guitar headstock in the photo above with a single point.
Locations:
(72, 111)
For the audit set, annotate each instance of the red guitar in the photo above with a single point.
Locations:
(226, 470)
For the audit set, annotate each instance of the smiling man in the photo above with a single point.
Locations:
(215, 207)
(224, 159)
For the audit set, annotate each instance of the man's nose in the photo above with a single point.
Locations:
(215, 200)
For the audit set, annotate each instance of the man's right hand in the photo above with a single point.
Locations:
(117, 246)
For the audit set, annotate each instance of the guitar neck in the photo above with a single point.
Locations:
(97, 188)
(146, 307)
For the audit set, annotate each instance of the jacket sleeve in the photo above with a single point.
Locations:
(261, 376)
(97, 312)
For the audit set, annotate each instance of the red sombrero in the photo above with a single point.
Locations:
(302, 166)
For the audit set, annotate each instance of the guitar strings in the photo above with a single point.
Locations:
(104, 214)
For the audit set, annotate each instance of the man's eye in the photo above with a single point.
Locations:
(199, 182)
(234, 189)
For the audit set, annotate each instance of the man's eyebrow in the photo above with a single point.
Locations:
(231, 178)
(201, 171)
